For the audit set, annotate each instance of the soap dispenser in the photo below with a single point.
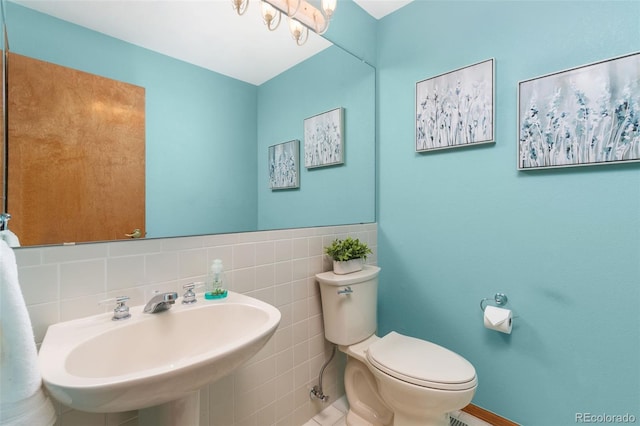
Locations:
(214, 288)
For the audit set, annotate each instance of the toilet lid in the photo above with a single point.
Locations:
(421, 363)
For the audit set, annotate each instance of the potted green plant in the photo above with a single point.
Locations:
(348, 255)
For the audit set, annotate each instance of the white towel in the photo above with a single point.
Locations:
(22, 401)
(33, 411)
(11, 238)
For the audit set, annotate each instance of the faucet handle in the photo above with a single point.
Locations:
(189, 295)
(170, 297)
(121, 311)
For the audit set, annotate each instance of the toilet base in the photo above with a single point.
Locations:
(366, 406)
(377, 399)
(438, 420)
(354, 419)
(419, 406)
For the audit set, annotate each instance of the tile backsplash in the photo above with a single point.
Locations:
(66, 282)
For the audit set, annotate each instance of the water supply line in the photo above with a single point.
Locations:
(316, 392)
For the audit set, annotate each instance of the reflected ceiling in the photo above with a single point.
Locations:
(182, 29)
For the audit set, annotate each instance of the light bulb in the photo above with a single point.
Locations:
(328, 7)
(240, 6)
(299, 32)
(270, 16)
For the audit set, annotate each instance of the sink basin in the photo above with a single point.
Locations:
(98, 365)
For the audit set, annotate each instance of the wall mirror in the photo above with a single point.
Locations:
(207, 132)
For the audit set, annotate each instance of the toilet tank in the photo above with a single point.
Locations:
(349, 305)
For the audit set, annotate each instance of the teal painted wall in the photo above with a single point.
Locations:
(327, 195)
(354, 30)
(459, 225)
(200, 126)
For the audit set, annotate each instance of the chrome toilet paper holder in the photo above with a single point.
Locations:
(500, 299)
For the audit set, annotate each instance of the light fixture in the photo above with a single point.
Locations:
(270, 15)
(307, 14)
(328, 7)
(302, 15)
(240, 6)
(299, 32)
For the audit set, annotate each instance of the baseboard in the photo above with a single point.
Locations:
(488, 416)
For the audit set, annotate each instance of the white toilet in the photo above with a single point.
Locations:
(394, 380)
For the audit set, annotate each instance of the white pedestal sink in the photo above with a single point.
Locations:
(98, 365)
(183, 411)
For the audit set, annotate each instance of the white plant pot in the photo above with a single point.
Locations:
(347, 266)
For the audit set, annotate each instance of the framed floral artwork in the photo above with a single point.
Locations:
(588, 115)
(284, 160)
(456, 109)
(324, 139)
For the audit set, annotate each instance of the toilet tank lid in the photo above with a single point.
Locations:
(368, 272)
(421, 363)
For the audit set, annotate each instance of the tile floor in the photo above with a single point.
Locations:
(333, 415)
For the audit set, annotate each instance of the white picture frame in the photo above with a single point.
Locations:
(324, 139)
(456, 109)
(587, 115)
(284, 165)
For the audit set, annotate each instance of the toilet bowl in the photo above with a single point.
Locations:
(392, 380)
(366, 406)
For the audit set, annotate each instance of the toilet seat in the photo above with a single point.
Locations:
(421, 363)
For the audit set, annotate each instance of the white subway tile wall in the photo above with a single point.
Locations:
(67, 282)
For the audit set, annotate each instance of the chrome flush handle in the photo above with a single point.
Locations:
(346, 290)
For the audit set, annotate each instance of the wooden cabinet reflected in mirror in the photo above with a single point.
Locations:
(77, 154)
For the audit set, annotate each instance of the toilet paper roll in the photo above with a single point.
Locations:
(498, 319)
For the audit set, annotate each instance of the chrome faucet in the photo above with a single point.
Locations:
(160, 302)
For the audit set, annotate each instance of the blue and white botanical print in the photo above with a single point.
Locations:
(323, 144)
(456, 108)
(283, 165)
(586, 115)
